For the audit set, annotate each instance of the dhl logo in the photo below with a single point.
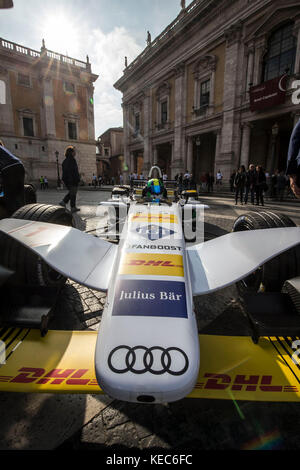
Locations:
(157, 264)
(248, 383)
(167, 218)
(39, 376)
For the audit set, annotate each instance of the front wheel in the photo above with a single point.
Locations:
(28, 267)
(271, 276)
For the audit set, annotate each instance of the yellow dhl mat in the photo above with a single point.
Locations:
(231, 367)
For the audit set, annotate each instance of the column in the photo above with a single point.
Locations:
(245, 147)
(49, 116)
(126, 128)
(177, 161)
(147, 132)
(154, 155)
(232, 75)
(189, 160)
(217, 151)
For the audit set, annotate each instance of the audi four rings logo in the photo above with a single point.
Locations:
(140, 360)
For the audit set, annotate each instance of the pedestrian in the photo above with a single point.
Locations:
(42, 182)
(273, 189)
(239, 184)
(219, 178)
(45, 182)
(193, 182)
(71, 178)
(180, 182)
(260, 185)
(99, 180)
(281, 185)
(231, 181)
(12, 174)
(293, 161)
(211, 181)
(94, 180)
(250, 184)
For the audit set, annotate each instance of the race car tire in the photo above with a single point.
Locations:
(29, 194)
(270, 276)
(28, 267)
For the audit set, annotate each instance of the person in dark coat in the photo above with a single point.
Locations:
(260, 185)
(12, 175)
(293, 161)
(71, 178)
(239, 184)
(250, 183)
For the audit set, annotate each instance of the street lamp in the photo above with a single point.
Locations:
(57, 168)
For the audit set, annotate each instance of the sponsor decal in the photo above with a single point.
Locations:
(156, 360)
(153, 232)
(157, 264)
(150, 298)
(154, 217)
(248, 383)
(153, 247)
(39, 376)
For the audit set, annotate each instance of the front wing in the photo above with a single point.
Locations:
(232, 367)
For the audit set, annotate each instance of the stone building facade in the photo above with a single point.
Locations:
(189, 99)
(47, 104)
(110, 155)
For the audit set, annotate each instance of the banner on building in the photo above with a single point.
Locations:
(268, 94)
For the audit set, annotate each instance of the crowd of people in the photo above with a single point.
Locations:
(255, 183)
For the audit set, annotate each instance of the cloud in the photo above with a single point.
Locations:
(107, 55)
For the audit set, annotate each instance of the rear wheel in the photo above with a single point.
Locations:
(271, 276)
(29, 268)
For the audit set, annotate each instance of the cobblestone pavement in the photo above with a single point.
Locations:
(187, 426)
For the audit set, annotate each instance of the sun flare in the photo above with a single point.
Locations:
(60, 34)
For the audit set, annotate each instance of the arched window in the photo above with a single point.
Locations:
(281, 52)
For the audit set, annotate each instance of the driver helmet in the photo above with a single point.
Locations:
(154, 186)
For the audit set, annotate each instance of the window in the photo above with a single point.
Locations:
(2, 92)
(72, 131)
(204, 94)
(164, 112)
(281, 53)
(28, 127)
(69, 87)
(137, 123)
(23, 79)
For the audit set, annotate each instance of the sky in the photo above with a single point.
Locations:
(105, 30)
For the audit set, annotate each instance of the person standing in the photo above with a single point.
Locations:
(239, 184)
(71, 178)
(250, 183)
(260, 185)
(293, 161)
(12, 174)
(219, 178)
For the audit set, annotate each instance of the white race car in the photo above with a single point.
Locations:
(147, 347)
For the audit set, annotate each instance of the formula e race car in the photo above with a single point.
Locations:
(147, 348)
